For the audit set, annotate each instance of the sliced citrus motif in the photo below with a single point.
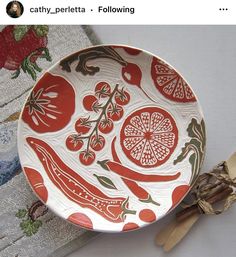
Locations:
(149, 136)
(170, 83)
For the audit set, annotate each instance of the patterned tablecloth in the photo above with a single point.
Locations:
(27, 227)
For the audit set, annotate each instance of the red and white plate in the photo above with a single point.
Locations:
(111, 138)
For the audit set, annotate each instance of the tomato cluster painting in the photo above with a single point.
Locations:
(109, 138)
(89, 133)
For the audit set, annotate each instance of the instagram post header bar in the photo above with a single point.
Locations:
(113, 12)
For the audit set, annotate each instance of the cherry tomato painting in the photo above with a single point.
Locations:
(122, 98)
(82, 125)
(74, 143)
(90, 102)
(102, 90)
(87, 158)
(97, 142)
(115, 112)
(106, 126)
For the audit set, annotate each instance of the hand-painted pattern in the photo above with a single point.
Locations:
(133, 186)
(170, 83)
(127, 173)
(113, 96)
(74, 187)
(36, 181)
(149, 137)
(195, 147)
(44, 110)
(90, 131)
(131, 72)
(82, 57)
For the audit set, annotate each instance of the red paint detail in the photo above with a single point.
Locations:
(102, 89)
(115, 112)
(149, 136)
(178, 194)
(147, 215)
(89, 101)
(19, 50)
(81, 220)
(169, 83)
(132, 185)
(129, 50)
(73, 143)
(37, 183)
(50, 95)
(113, 151)
(105, 126)
(132, 51)
(126, 172)
(122, 101)
(132, 74)
(97, 143)
(130, 226)
(74, 187)
(137, 190)
(81, 126)
(87, 158)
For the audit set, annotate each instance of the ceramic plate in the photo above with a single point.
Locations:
(111, 138)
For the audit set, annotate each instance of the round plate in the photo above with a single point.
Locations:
(111, 138)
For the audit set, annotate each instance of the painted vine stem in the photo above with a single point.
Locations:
(195, 147)
(103, 113)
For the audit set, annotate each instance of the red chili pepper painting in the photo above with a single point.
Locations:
(77, 189)
(133, 186)
(125, 172)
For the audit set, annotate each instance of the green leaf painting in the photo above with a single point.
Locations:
(106, 182)
(195, 148)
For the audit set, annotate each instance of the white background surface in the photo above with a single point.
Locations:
(155, 12)
(206, 56)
